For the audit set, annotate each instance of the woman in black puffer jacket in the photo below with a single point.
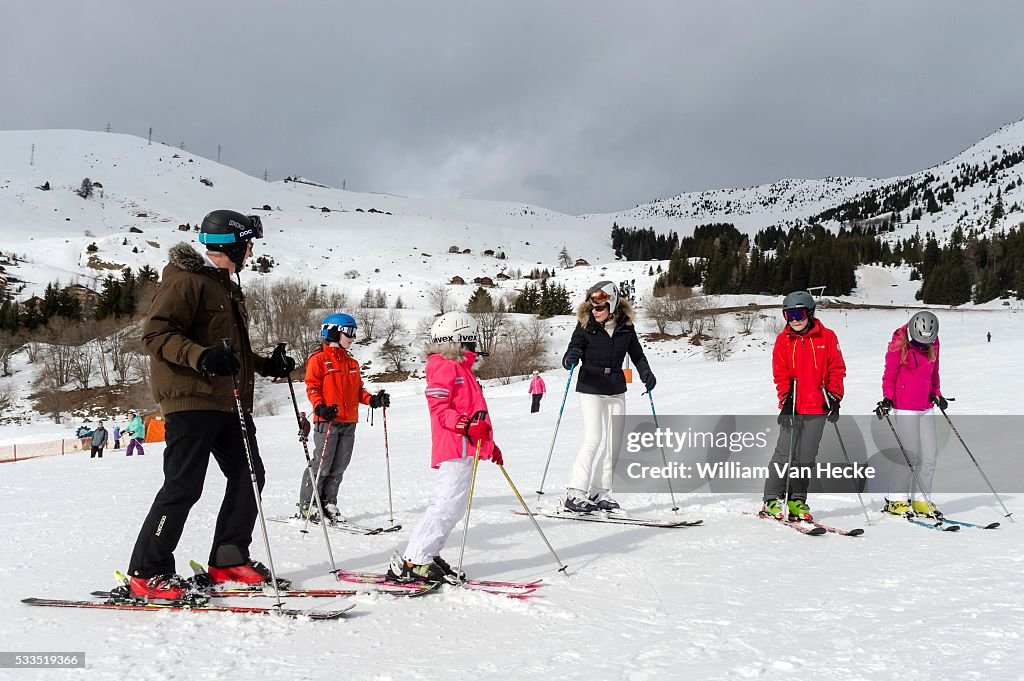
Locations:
(601, 341)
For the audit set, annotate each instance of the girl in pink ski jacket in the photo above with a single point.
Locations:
(911, 376)
(455, 399)
(910, 386)
(452, 394)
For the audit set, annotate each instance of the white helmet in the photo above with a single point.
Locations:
(454, 327)
(604, 292)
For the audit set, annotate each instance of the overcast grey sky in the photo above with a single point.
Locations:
(576, 105)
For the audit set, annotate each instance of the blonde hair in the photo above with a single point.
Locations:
(902, 343)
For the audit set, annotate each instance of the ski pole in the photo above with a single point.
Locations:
(309, 470)
(387, 463)
(561, 566)
(252, 476)
(316, 479)
(554, 436)
(472, 484)
(846, 456)
(792, 446)
(664, 459)
(913, 471)
(977, 465)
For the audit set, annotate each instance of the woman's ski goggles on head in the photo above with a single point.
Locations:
(795, 315)
(599, 297)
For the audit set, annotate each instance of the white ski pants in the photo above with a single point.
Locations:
(917, 433)
(598, 411)
(451, 495)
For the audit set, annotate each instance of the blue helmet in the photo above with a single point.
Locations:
(338, 324)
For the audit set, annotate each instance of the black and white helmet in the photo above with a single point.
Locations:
(923, 327)
(604, 292)
(454, 327)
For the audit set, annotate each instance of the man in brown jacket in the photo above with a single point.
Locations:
(196, 307)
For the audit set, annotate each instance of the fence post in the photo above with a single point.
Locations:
(62, 446)
(15, 447)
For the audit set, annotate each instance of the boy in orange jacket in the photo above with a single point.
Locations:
(334, 387)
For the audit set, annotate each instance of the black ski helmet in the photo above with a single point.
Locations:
(798, 300)
(228, 232)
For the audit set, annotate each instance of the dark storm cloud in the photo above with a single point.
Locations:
(578, 106)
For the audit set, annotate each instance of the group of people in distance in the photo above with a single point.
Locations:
(204, 386)
(134, 430)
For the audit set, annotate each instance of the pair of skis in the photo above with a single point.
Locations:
(346, 527)
(944, 524)
(810, 528)
(614, 518)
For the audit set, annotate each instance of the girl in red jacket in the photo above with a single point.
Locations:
(910, 386)
(459, 428)
(806, 356)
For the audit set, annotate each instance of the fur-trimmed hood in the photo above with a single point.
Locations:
(452, 351)
(624, 313)
(185, 257)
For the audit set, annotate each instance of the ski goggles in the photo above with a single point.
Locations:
(347, 331)
(795, 315)
(257, 226)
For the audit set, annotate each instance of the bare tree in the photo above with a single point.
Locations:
(658, 308)
(746, 320)
(422, 333)
(564, 259)
(719, 347)
(367, 318)
(772, 325)
(395, 354)
(489, 325)
(518, 350)
(392, 326)
(6, 397)
(440, 299)
(8, 346)
(81, 364)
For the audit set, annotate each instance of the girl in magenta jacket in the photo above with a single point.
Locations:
(910, 388)
(457, 431)
(537, 390)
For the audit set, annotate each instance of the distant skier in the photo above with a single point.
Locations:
(117, 437)
(537, 390)
(335, 389)
(989, 335)
(196, 307)
(910, 389)
(808, 354)
(136, 433)
(604, 335)
(457, 428)
(99, 441)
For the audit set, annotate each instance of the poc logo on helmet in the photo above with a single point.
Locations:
(245, 233)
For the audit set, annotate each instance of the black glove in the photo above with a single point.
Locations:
(218, 360)
(649, 380)
(572, 357)
(326, 411)
(786, 413)
(940, 402)
(832, 401)
(381, 399)
(278, 365)
(883, 408)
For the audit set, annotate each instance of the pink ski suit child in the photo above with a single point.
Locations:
(537, 390)
(910, 386)
(453, 397)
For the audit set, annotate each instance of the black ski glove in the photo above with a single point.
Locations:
(832, 401)
(786, 413)
(218, 360)
(381, 399)
(572, 357)
(648, 380)
(326, 411)
(883, 408)
(278, 365)
(940, 402)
